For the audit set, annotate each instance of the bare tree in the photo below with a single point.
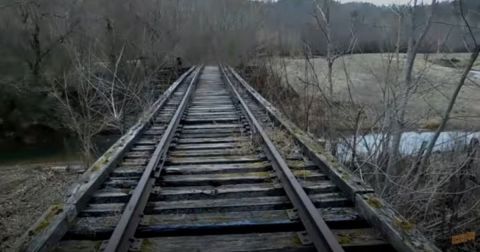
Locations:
(38, 18)
(415, 38)
(322, 17)
(81, 105)
(460, 84)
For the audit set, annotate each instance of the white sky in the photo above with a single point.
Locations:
(386, 2)
(379, 2)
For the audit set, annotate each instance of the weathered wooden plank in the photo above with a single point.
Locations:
(215, 159)
(338, 217)
(201, 120)
(216, 192)
(128, 171)
(309, 175)
(220, 106)
(207, 152)
(235, 191)
(279, 241)
(213, 139)
(352, 239)
(207, 146)
(218, 168)
(402, 234)
(215, 134)
(134, 162)
(238, 242)
(218, 205)
(102, 209)
(214, 126)
(147, 141)
(241, 204)
(205, 132)
(211, 110)
(138, 154)
(111, 195)
(212, 101)
(218, 113)
(215, 223)
(297, 164)
(139, 147)
(121, 183)
(215, 179)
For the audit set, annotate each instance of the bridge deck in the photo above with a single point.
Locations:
(220, 188)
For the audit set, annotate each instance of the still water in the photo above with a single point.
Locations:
(410, 142)
(12, 152)
(55, 150)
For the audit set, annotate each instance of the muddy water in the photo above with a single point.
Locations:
(61, 150)
(13, 152)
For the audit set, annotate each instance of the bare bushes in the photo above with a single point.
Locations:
(304, 111)
(440, 199)
(94, 97)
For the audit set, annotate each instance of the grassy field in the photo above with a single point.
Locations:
(367, 75)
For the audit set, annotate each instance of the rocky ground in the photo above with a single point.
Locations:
(26, 191)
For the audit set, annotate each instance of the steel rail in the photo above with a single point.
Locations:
(124, 232)
(382, 216)
(318, 231)
(45, 237)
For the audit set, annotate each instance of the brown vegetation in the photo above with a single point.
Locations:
(26, 192)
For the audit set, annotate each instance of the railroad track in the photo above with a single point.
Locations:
(214, 167)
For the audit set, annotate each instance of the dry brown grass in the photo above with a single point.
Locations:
(283, 141)
(368, 75)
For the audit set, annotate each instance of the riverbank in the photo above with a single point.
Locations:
(26, 191)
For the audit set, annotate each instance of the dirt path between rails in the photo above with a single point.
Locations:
(26, 191)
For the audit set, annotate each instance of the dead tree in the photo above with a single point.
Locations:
(473, 57)
(322, 17)
(37, 20)
(415, 39)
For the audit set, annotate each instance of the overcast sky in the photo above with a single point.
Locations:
(380, 2)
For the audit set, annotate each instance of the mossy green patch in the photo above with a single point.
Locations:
(404, 224)
(96, 167)
(304, 173)
(53, 211)
(344, 238)
(296, 240)
(146, 245)
(374, 202)
(345, 176)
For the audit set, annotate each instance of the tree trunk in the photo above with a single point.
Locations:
(400, 110)
(451, 103)
(37, 55)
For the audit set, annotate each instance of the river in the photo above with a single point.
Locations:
(410, 142)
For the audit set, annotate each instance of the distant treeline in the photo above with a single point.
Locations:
(374, 28)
